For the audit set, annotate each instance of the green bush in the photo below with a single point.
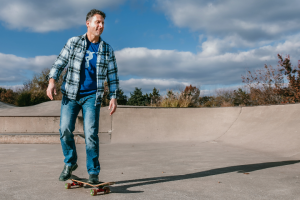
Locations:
(24, 99)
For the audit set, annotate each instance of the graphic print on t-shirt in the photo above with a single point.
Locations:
(88, 69)
(88, 58)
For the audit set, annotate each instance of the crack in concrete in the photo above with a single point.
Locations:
(230, 125)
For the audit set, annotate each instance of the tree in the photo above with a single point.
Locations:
(122, 99)
(267, 86)
(190, 96)
(105, 98)
(136, 98)
(24, 99)
(7, 96)
(291, 93)
(147, 98)
(154, 97)
(263, 85)
(241, 98)
(34, 90)
(170, 100)
(203, 101)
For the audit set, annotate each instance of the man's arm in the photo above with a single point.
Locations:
(113, 82)
(58, 66)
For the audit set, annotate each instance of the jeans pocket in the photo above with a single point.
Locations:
(65, 100)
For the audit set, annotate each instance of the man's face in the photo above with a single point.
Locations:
(95, 25)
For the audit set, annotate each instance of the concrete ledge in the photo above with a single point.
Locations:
(44, 124)
(34, 139)
(11, 138)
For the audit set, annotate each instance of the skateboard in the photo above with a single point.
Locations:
(80, 182)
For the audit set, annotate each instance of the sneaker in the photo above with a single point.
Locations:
(93, 178)
(67, 172)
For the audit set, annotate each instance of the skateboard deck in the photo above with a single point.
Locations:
(98, 187)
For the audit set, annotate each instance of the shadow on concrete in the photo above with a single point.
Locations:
(239, 169)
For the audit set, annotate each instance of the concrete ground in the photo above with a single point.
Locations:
(181, 170)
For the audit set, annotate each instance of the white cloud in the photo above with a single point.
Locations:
(231, 43)
(231, 26)
(45, 16)
(15, 69)
(12, 87)
(147, 85)
(254, 20)
(199, 69)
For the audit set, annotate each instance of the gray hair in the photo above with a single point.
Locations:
(93, 12)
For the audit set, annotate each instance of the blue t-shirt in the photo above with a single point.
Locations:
(88, 81)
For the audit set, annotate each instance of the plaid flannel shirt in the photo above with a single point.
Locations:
(72, 55)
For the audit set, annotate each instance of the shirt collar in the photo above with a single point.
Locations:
(83, 37)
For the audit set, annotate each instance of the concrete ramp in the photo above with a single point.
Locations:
(46, 109)
(135, 125)
(6, 105)
(272, 129)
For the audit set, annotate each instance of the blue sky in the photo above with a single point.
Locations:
(166, 44)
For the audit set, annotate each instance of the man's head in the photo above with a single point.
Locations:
(95, 22)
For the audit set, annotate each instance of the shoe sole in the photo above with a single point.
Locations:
(65, 178)
(93, 182)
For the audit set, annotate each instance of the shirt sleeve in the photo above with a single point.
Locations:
(60, 63)
(112, 77)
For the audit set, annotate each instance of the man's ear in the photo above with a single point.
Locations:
(87, 23)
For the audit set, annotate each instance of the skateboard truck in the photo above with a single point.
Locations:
(94, 192)
(69, 185)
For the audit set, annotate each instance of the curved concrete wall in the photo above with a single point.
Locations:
(171, 124)
(274, 129)
(265, 128)
(47, 109)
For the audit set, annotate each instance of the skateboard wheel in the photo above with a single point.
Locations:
(80, 184)
(68, 185)
(93, 192)
(106, 190)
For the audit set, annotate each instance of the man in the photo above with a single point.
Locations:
(90, 62)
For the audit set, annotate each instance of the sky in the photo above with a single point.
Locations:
(167, 44)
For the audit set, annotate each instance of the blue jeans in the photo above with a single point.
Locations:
(69, 112)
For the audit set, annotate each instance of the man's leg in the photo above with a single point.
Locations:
(69, 113)
(91, 117)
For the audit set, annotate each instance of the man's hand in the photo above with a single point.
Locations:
(51, 88)
(113, 105)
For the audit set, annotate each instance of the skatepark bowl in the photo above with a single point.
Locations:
(157, 153)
